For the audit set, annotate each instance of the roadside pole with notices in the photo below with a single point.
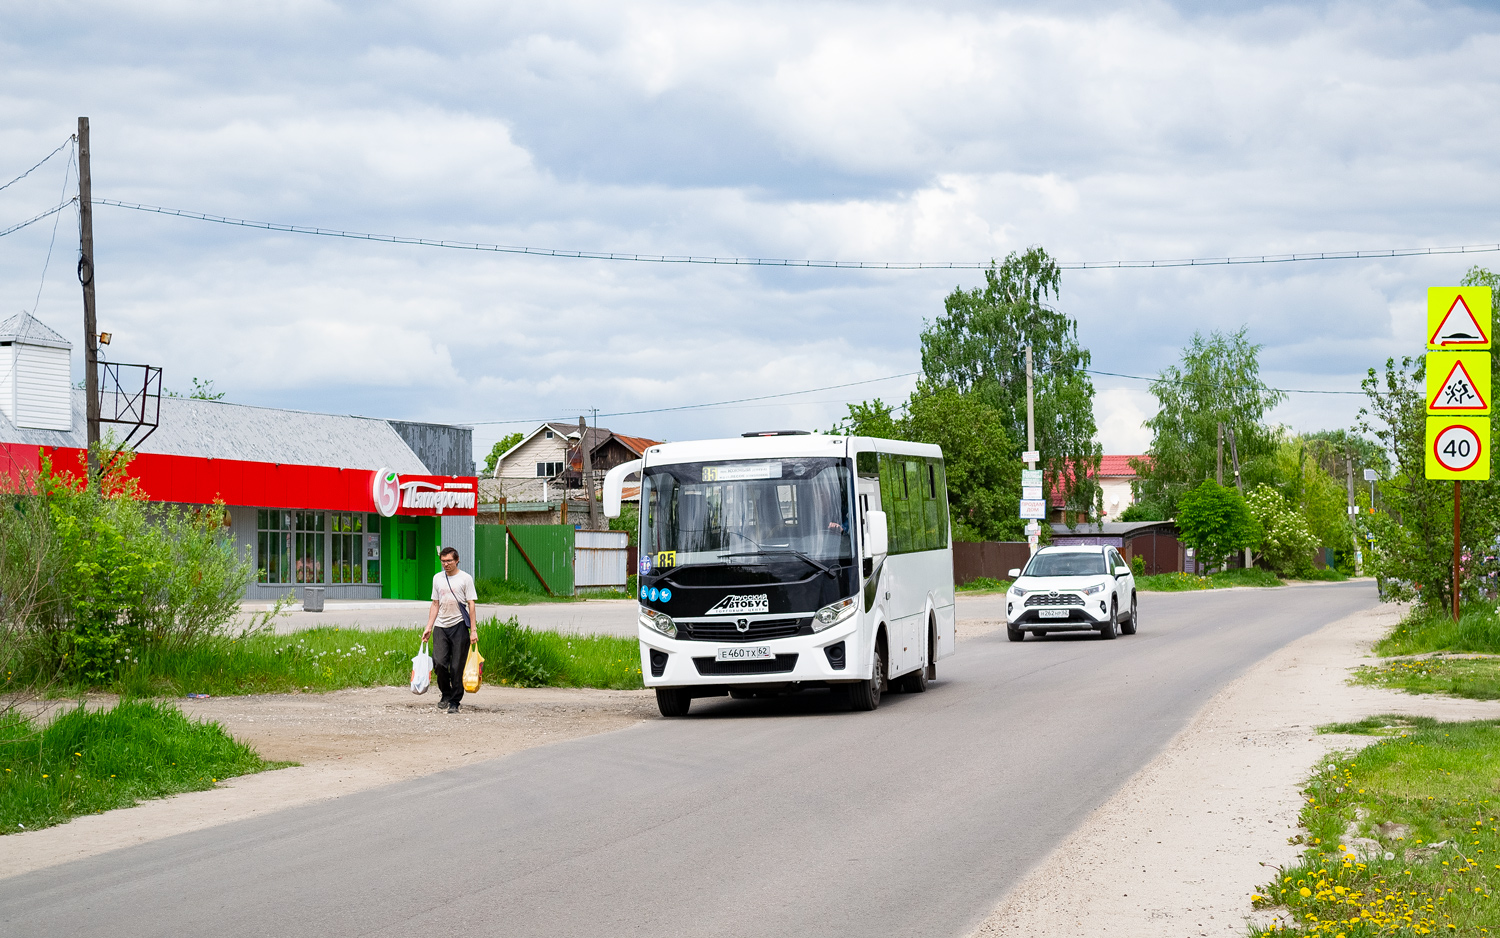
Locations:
(1459, 325)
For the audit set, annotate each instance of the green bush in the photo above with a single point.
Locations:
(87, 572)
(87, 761)
(1138, 566)
(1286, 543)
(1216, 522)
(984, 583)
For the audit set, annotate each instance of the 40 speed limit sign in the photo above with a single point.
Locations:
(1458, 448)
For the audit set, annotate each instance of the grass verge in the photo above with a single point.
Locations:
(514, 594)
(1402, 837)
(328, 659)
(984, 584)
(1425, 631)
(1180, 582)
(89, 761)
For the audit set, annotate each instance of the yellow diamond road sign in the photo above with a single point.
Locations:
(1458, 448)
(1458, 318)
(1458, 383)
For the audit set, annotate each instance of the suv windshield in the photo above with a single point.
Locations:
(1065, 564)
(748, 512)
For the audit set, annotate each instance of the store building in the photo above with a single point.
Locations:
(356, 505)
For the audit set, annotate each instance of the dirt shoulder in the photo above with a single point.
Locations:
(1183, 844)
(345, 741)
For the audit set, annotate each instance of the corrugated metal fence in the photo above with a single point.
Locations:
(540, 555)
(993, 559)
(599, 559)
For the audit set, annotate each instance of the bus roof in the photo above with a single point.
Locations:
(761, 447)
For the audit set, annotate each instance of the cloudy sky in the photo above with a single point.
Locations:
(931, 131)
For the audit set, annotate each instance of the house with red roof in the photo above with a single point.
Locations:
(1115, 476)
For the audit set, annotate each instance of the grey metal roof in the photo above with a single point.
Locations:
(219, 430)
(1107, 529)
(26, 329)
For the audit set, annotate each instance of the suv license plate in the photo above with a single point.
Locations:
(745, 653)
(1053, 614)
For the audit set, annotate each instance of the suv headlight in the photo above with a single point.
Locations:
(659, 621)
(833, 614)
(1091, 590)
(1018, 591)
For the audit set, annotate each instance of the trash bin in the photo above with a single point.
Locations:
(312, 599)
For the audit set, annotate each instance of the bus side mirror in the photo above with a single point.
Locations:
(614, 485)
(876, 538)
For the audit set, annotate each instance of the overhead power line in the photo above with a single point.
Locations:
(789, 262)
(1227, 387)
(740, 400)
(60, 148)
(36, 218)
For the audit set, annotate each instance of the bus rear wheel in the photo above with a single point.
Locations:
(865, 695)
(673, 701)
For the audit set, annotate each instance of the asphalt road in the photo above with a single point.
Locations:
(748, 818)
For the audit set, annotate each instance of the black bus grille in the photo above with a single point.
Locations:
(726, 630)
(711, 667)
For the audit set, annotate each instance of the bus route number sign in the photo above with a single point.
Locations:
(1458, 448)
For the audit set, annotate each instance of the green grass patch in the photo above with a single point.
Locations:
(1475, 678)
(1424, 630)
(1385, 724)
(88, 761)
(326, 659)
(506, 593)
(1325, 575)
(1426, 800)
(984, 584)
(1182, 582)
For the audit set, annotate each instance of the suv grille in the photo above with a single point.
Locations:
(779, 665)
(727, 630)
(1054, 599)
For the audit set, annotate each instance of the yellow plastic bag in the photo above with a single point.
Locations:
(473, 670)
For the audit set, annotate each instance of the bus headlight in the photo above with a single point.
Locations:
(660, 622)
(833, 614)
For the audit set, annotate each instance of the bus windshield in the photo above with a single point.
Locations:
(744, 512)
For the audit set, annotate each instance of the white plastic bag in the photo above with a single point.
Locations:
(421, 671)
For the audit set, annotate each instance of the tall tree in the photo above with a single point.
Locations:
(978, 346)
(498, 450)
(1218, 381)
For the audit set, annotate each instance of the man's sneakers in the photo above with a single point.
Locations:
(453, 708)
(444, 704)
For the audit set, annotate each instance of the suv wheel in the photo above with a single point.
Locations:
(1108, 630)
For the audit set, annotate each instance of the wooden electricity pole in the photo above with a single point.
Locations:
(588, 474)
(86, 277)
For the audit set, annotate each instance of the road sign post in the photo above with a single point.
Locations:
(1459, 327)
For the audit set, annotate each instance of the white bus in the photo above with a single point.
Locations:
(784, 561)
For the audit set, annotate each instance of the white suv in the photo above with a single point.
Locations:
(1071, 589)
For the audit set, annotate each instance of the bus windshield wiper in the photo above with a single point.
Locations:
(759, 549)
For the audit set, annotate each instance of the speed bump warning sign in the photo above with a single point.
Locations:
(1458, 318)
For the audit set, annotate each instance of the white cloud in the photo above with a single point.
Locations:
(780, 130)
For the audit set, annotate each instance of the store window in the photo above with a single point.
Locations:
(289, 546)
(353, 547)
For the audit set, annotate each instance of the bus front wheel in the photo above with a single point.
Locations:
(673, 701)
(865, 695)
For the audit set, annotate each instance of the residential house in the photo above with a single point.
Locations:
(540, 479)
(1115, 476)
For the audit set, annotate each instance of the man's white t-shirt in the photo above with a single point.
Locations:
(449, 591)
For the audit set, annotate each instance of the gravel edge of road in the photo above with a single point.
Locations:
(1183, 844)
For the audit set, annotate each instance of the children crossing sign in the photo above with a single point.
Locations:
(1458, 318)
(1458, 383)
(1458, 447)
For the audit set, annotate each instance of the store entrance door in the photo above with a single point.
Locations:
(413, 557)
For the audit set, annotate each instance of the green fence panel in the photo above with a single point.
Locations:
(548, 547)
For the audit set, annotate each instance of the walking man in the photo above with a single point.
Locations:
(457, 628)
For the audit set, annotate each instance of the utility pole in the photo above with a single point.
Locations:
(1219, 473)
(1031, 539)
(1239, 483)
(1359, 560)
(86, 277)
(1457, 496)
(588, 473)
